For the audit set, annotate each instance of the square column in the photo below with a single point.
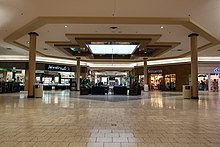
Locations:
(145, 71)
(78, 73)
(32, 64)
(194, 65)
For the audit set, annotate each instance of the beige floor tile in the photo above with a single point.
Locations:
(95, 145)
(129, 144)
(42, 144)
(56, 138)
(25, 144)
(164, 145)
(8, 144)
(135, 140)
(60, 144)
(86, 139)
(111, 134)
(104, 139)
(112, 145)
(41, 138)
(77, 144)
(126, 134)
(146, 145)
(181, 144)
(72, 139)
(25, 139)
(122, 140)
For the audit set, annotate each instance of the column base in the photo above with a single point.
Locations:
(30, 96)
(194, 97)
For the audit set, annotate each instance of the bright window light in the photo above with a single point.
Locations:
(112, 49)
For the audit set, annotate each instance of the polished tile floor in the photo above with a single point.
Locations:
(66, 119)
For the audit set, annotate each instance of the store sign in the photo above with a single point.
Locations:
(155, 71)
(217, 70)
(57, 67)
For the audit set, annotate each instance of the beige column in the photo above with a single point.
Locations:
(78, 73)
(32, 64)
(194, 65)
(145, 71)
(26, 80)
(5, 76)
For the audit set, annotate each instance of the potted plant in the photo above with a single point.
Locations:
(85, 87)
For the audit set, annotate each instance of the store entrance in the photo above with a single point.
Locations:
(156, 81)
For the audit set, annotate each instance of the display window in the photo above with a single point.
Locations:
(214, 82)
(203, 82)
(156, 81)
(170, 81)
(47, 80)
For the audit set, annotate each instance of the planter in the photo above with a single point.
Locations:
(84, 91)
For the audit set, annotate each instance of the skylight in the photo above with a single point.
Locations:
(112, 49)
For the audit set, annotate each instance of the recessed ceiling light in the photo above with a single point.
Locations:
(65, 26)
(28, 42)
(113, 27)
(161, 27)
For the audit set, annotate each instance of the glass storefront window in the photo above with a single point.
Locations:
(203, 82)
(170, 81)
(156, 81)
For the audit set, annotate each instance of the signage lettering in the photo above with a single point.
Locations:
(155, 71)
(57, 67)
(217, 70)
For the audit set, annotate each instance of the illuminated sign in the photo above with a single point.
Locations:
(217, 70)
(6, 69)
(155, 71)
(57, 67)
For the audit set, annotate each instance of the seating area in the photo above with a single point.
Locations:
(120, 90)
(99, 90)
(103, 90)
(9, 87)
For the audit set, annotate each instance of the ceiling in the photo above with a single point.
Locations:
(159, 27)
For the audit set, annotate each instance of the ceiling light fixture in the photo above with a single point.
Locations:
(114, 27)
(28, 42)
(65, 26)
(161, 27)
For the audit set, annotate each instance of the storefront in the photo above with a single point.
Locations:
(209, 77)
(165, 78)
(58, 77)
(8, 82)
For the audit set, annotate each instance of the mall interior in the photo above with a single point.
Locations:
(117, 73)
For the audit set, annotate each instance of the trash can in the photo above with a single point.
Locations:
(187, 91)
(38, 91)
(146, 87)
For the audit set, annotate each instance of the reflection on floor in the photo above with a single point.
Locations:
(66, 119)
